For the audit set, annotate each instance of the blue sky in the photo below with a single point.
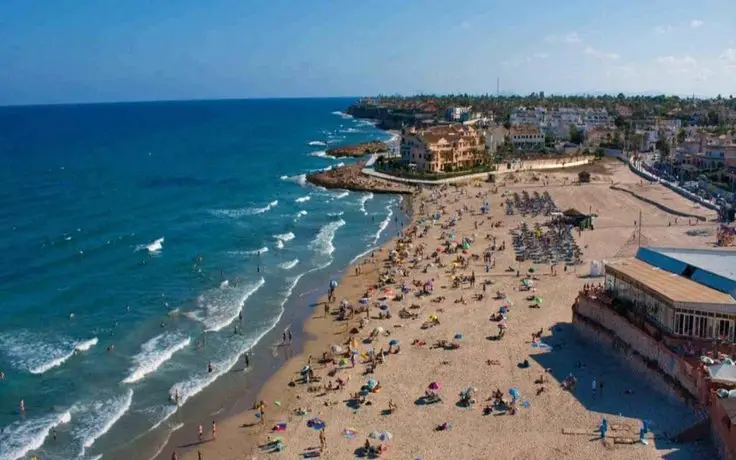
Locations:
(54, 51)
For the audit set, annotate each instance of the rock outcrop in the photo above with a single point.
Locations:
(358, 150)
(351, 177)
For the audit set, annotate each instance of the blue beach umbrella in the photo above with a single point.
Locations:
(333, 284)
(364, 301)
(514, 392)
(458, 336)
(394, 342)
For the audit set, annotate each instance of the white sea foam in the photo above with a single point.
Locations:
(222, 306)
(317, 143)
(300, 214)
(96, 418)
(350, 130)
(241, 212)
(165, 442)
(322, 154)
(23, 436)
(363, 254)
(363, 200)
(153, 247)
(154, 353)
(342, 195)
(289, 265)
(37, 354)
(303, 199)
(342, 114)
(300, 179)
(384, 224)
(285, 236)
(323, 242)
(255, 251)
(336, 214)
(279, 244)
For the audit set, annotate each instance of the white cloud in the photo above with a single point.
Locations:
(704, 74)
(728, 58)
(674, 64)
(661, 30)
(600, 54)
(695, 23)
(571, 37)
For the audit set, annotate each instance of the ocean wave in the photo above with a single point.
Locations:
(154, 353)
(317, 143)
(240, 212)
(23, 436)
(342, 114)
(323, 242)
(222, 306)
(322, 154)
(300, 214)
(363, 200)
(300, 179)
(350, 131)
(153, 247)
(285, 236)
(262, 250)
(195, 384)
(336, 214)
(37, 354)
(384, 224)
(289, 265)
(362, 254)
(165, 442)
(303, 199)
(342, 195)
(96, 418)
(279, 244)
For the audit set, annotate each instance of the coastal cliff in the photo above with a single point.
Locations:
(358, 150)
(350, 177)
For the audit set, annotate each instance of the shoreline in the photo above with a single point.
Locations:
(316, 335)
(268, 362)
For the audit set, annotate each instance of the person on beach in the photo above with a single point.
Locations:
(247, 361)
(174, 456)
(322, 440)
(201, 433)
(214, 430)
(210, 367)
(594, 387)
(262, 411)
(22, 407)
(288, 334)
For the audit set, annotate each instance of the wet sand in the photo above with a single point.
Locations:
(535, 431)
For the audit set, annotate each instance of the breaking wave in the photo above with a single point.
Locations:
(154, 353)
(323, 242)
(289, 265)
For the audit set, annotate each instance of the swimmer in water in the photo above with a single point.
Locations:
(210, 367)
(71, 315)
(22, 407)
(110, 348)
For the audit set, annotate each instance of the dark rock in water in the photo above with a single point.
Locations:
(351, 177)
(358, 150)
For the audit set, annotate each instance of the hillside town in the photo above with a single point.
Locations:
(688, 141)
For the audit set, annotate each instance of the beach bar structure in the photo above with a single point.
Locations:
(687, 294)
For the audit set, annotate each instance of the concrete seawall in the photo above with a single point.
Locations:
(533, 165)
(658, 204)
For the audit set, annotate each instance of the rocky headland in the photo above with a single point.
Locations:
(351, 177)
(358, 150)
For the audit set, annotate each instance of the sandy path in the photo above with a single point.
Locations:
(534, 432)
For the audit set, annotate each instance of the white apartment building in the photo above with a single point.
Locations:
(526, 137)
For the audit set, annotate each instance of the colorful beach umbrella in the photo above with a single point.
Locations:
(371, 383)
(434, 386)
(458, 336)
(514, 392)
(393, 342)
(363, 300)
(537, 300)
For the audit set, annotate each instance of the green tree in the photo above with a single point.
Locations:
(549, 139)
(577, 136)
(681, 135)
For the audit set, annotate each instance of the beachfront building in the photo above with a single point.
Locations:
(443, 148)
(685, 293)
(460, 114)
(526, 137)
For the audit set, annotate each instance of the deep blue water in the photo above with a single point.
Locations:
(141, 226)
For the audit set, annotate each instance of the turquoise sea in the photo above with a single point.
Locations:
(134, 233)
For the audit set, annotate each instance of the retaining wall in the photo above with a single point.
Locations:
(658, 204)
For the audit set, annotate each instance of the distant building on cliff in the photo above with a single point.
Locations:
(526, 137)
(443, 148)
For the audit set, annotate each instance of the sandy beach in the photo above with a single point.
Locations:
(547, 420)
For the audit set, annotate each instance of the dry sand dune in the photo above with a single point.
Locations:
(534, 432)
